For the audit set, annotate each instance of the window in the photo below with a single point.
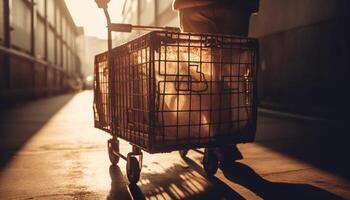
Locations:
(59, 54)
(72, 60)
(40, 39)
(1, 21)
(41, 6)
(68, 61)
(51, 11)
(51, 45)
(64, 27)
(73, 41)
(64, 57)
(58, 22)
(20, 21)
(67, 36)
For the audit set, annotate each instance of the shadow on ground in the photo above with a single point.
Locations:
(18, 124)
(176, 183)
(323, 145)
(247, 177)
(190, 183)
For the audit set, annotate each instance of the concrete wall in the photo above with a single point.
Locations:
(304, 49)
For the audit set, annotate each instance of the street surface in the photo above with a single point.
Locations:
(50, 150)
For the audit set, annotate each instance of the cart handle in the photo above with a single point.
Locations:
(118, 27)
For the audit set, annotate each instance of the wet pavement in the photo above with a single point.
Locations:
(50, 150)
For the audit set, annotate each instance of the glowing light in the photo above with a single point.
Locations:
(89, 78)
(86, 13)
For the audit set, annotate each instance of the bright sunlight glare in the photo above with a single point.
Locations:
(86, 13)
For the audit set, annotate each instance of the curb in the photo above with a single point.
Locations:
(297, 116)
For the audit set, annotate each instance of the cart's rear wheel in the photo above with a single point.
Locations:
(113, 146)
(133, 170)
(183, 153)
(210, 162)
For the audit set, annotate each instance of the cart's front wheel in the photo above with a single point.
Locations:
(133, 170)
(183, 153)
(113, 146)
(210, 162)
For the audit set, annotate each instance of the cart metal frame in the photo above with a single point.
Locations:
(135, 157)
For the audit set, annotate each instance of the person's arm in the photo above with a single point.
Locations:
(182, 4)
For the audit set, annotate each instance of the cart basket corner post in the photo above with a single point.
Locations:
(167, 91)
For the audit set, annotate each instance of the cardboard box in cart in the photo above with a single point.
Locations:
(168, 91)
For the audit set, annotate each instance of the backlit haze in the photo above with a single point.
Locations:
(86, 13)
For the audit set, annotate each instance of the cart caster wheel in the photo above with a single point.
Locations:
(183, 153)
(210, 163)
(113, 146)
(133, 170)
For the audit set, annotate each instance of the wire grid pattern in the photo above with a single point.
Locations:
(180, 90)
(102, 105)
(132, 84)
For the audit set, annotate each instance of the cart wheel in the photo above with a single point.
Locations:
(133, 170)
(210, 162)
(183, 153)
(113, 146)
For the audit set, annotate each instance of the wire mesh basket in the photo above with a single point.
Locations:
(168, 91)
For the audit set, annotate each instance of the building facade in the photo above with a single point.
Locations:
(304, 48)
(39, 48)
(147, 12)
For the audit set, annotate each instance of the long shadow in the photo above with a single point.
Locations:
(323, 145)
(188, 181)
(220, 189)
(247, 177)
(176, 182)
(119, 187)
(18, 124)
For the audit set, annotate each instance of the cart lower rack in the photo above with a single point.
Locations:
(167, 91)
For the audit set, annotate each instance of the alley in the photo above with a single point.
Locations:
(54, 152)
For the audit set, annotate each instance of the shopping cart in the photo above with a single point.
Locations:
(167, 91)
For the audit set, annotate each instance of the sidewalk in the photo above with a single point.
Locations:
(56, 153)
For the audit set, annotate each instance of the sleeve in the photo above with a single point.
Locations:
(254, 5)
(182, 4)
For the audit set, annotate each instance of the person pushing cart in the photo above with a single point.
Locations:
(230, 17)
(169, 90)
